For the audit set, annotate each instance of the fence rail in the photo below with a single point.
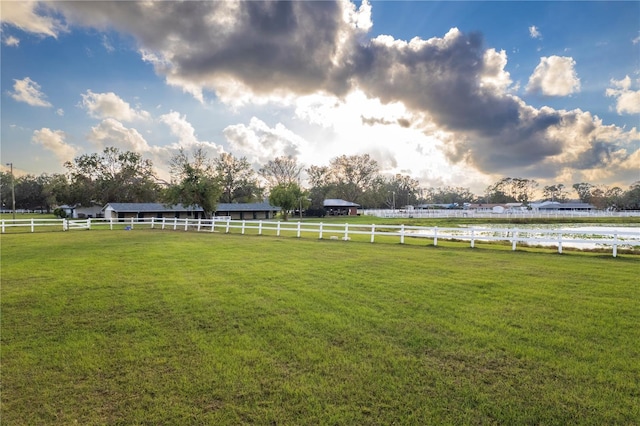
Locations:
(612, 240)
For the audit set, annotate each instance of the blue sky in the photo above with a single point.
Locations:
(451, 93)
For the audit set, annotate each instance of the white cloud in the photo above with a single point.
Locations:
(111, 132)
(554, 76)
(180, 127)
(186, 134)
(534, 32)
(110, 105)
(261, 143)
(28, 91)
(636, 40)
(60, 112)
(54, 141)
(11, 41)
(24, 15)
(627, 100)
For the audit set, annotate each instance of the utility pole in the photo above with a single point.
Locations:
(13, 191)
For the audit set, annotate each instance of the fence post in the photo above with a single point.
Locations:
(278, 229)
(89, 223)
(243, 223)
(373, 232)
(65, 224)
(560, 242)
(473, 236)
(228, 225)
(199, 223)
(3, 226)
(435, 235)
(514, 235)
(346, 231)
(260, 228)
(111, 224)
(164, 222)
(213, 224)
(298, 229)
(402, 234)
(131, 222)
(320, 234)
(615, 244)
(32, 227)
(186, 223)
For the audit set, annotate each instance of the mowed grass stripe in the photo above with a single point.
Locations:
(153, 327)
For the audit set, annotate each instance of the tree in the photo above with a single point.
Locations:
(583, 189)
(346, 177)
(238, 180)
(353, 175)
(111, 176)
(282, 170)
(509, 190)
(449, 195)
(321, 186)
(29, 193)
(55, 189)
(288, 196)
(401, 190)
(554, 193)
(194, 182)
(631, 198)
(5, 190)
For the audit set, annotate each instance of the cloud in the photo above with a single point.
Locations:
(111, 132)
(180, 127)
(294, 47)
(316, 58)
(261, 143)
(627, 100)
(534, 32)
(187, 138)
(554, 76)
(29, 16)
(54, 141)
(11, 41)
(110, 105)
(28, 91)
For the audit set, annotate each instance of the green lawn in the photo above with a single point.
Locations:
(164, 327)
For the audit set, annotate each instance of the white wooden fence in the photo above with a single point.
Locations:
(612, 240)
(529, 214)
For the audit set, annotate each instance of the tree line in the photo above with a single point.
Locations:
(124, 176)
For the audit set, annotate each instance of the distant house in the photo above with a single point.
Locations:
(80, 212)
(336, 207)
(550, 206)
(158, 210)
(496, 208)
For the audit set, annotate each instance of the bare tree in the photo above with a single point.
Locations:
(281, 171)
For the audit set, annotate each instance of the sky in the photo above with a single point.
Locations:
(459, 93)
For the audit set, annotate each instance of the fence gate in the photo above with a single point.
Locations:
(77, 224)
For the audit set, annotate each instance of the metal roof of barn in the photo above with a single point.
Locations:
(159, 207)
(334, 202)
(246, 207)
(150, 207)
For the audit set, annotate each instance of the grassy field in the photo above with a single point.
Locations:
(163, 327)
